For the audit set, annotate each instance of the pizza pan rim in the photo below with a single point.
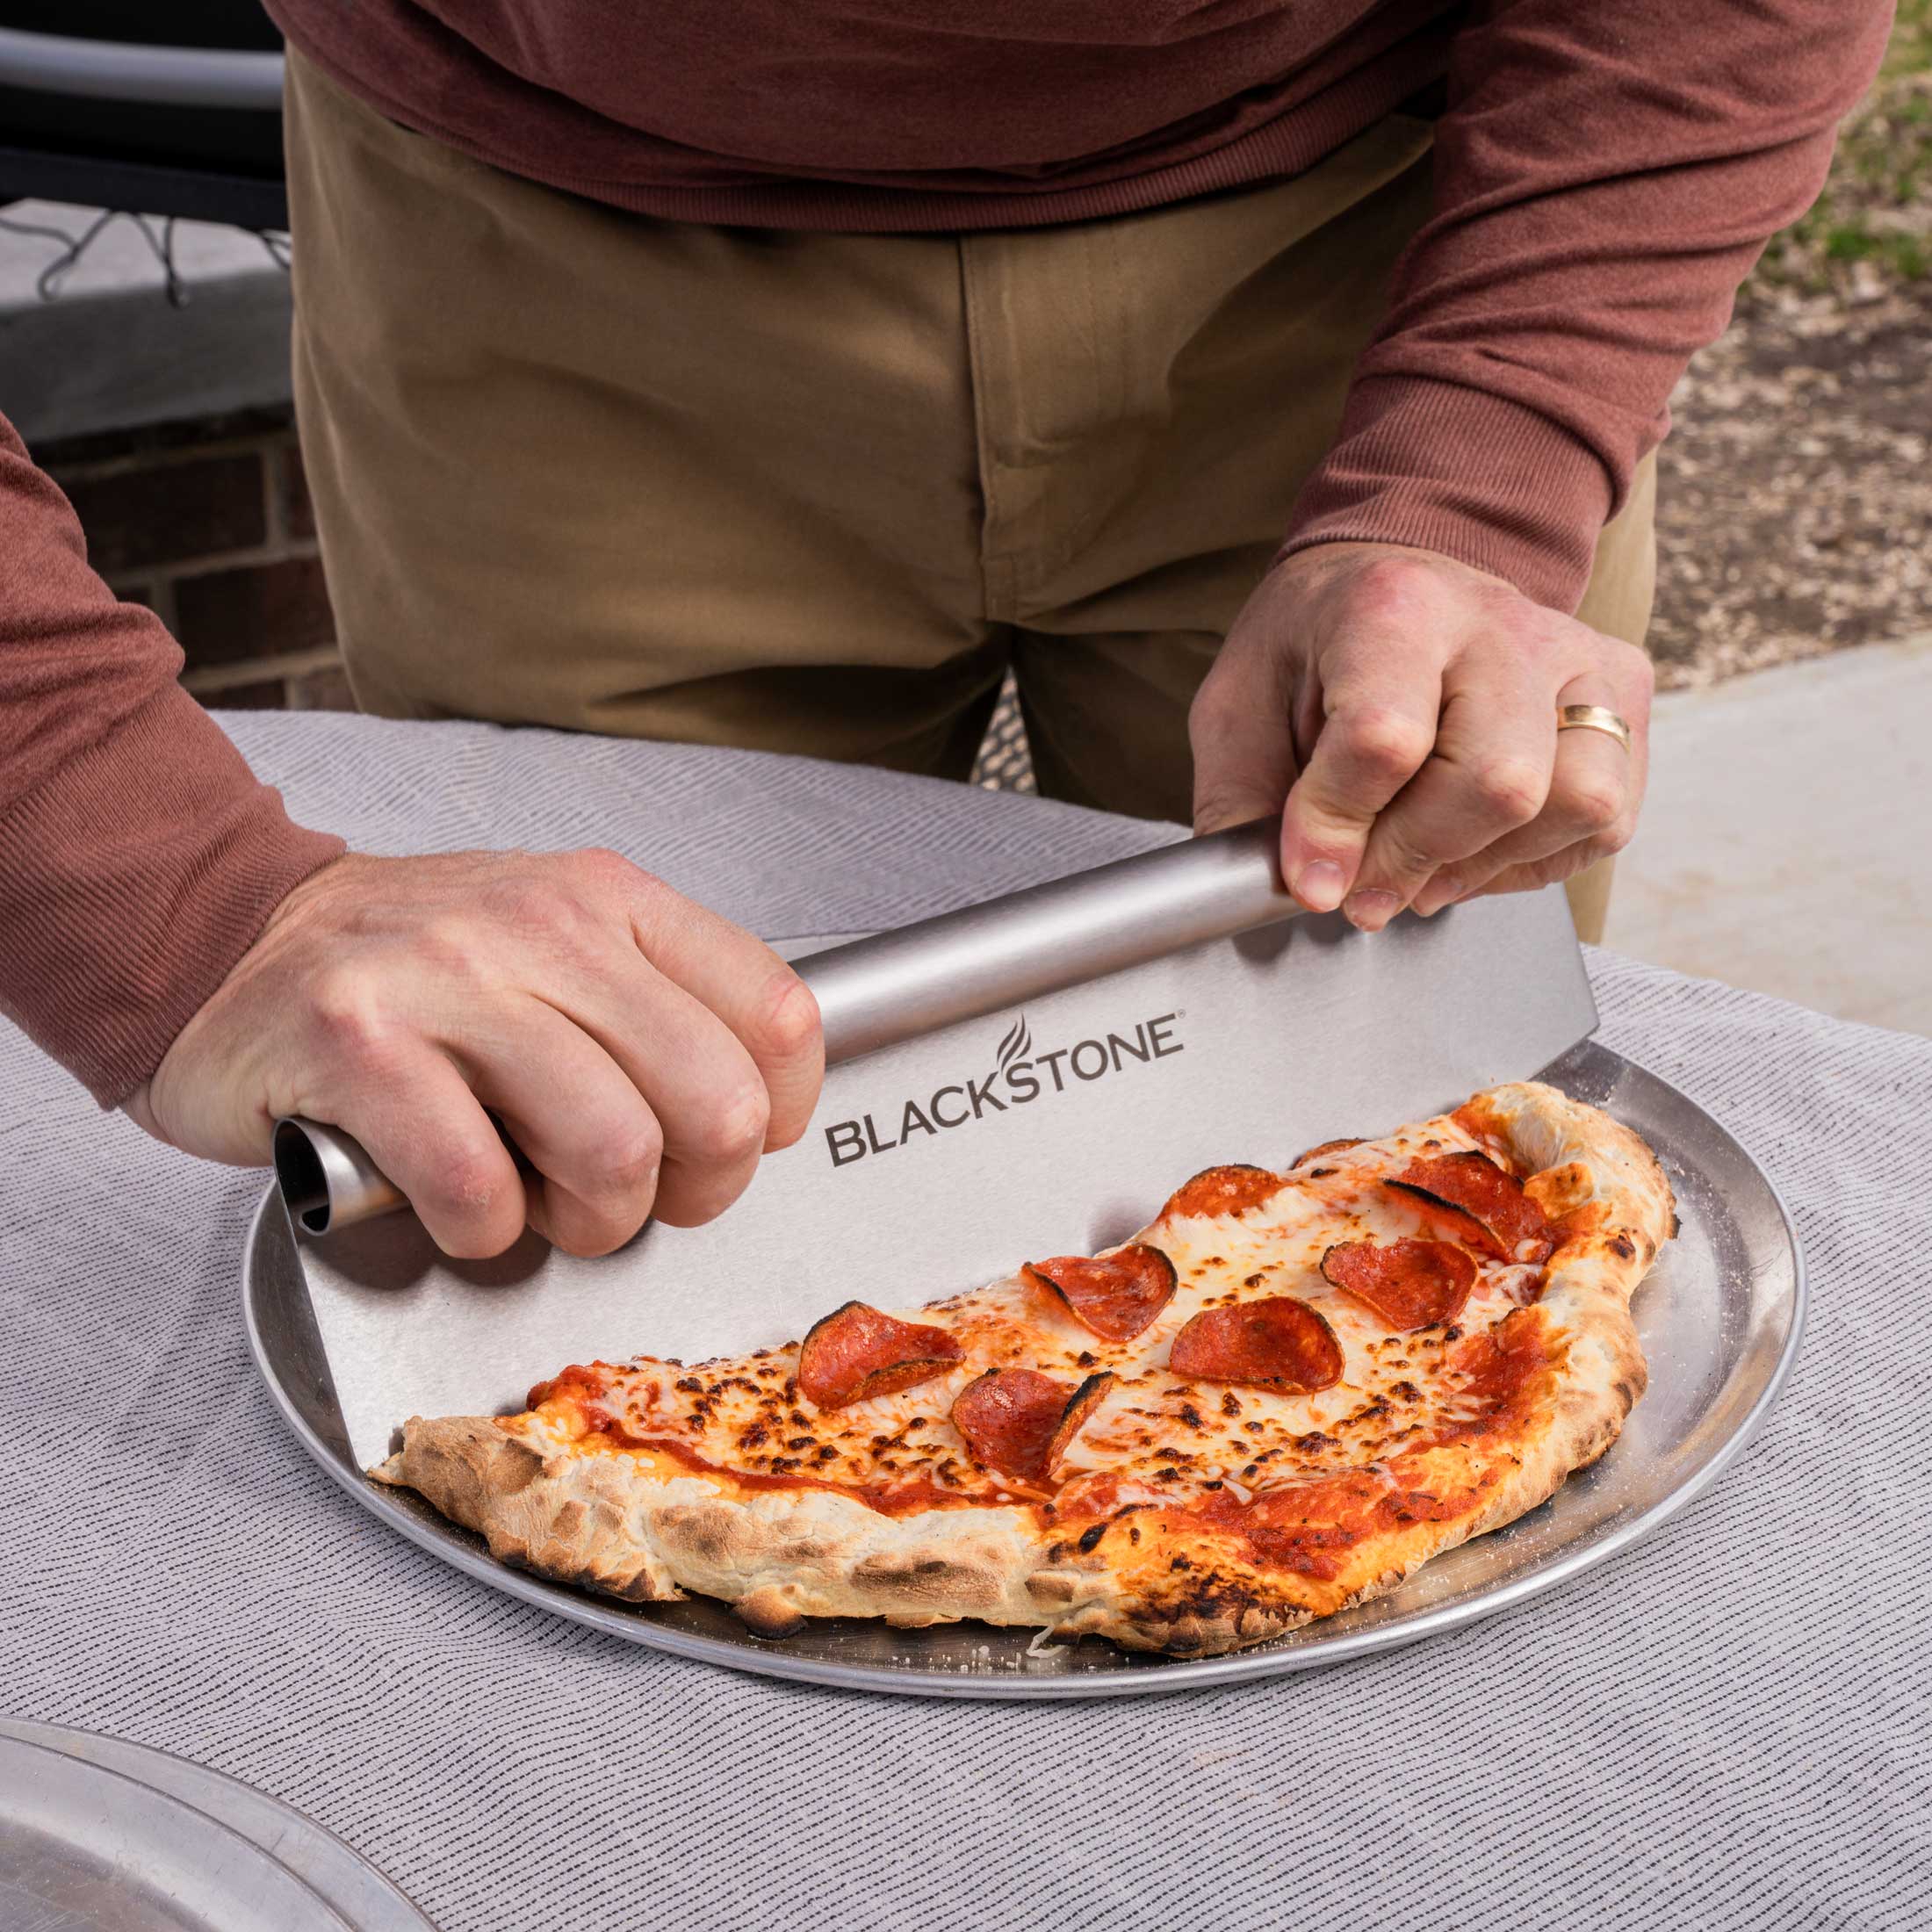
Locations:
(362, 1894)
(94, 1821)
(1588, 1064)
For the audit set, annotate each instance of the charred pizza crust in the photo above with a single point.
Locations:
(1185, 1549)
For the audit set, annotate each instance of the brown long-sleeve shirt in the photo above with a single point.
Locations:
(139, 856)
(1605, 177)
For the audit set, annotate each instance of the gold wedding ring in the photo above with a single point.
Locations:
(1593, 717)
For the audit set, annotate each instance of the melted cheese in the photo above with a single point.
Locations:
(1154, 1437)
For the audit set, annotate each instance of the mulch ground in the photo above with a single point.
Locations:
(1795, 492)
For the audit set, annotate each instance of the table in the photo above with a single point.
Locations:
(1730, 1727)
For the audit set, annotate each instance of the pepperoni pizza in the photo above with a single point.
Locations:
(1288, 1391)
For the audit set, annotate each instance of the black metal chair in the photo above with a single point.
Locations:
(156, 107)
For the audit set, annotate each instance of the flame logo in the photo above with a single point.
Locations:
(1016, 1045)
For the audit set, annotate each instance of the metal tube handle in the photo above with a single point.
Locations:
(877, 993)
(327, 1181)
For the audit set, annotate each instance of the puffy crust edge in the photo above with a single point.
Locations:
(640, 1527)
(1616, 1202)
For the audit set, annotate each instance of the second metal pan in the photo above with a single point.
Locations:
(81, 1845)
(338, 1876)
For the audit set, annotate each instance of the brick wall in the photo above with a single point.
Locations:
(208, 524)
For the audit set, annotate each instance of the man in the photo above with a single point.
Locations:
(778, 371)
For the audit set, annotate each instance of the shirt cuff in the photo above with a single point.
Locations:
(1438, 466)
(134, 877)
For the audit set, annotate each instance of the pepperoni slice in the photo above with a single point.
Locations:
(855, 1353)
(1079, 1412)
(1116, 1295)
(1410, 1284)
(1009, 1417)
(1327, 1147)
(1451, 1220)
(1471, 1184)
(1276, 1343)
(1229, 1190)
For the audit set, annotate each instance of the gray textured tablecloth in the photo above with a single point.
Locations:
(1730, 1725)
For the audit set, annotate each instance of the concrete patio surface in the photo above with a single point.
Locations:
(1786, 844)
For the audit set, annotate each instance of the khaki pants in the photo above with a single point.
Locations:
(815, 493)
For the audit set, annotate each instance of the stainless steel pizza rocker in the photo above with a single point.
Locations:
(921, 981)
(1030, 1076)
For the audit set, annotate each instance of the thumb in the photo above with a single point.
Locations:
(1244, 747)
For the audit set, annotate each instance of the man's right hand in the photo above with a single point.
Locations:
(642, 1051)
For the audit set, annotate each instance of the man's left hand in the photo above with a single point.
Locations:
(1404, 706)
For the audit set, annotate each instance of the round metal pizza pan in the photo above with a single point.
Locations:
(81, 1846)
(359, 1894)
(1720, 1318)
